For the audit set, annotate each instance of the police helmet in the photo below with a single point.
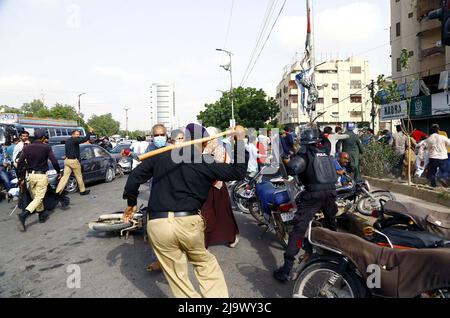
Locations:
(309, 136)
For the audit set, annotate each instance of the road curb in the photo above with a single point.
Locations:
(412, 191)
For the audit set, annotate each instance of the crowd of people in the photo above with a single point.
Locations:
(189, 207)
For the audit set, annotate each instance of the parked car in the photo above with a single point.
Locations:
(97, 165)
(125, 163)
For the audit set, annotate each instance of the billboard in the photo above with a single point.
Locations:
(394, 111)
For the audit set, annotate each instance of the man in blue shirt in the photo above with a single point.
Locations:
(341, 165)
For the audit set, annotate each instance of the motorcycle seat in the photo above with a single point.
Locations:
(403, 273)
(427, 219)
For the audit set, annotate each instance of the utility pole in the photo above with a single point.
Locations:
(229, 68)
(372, 96)
(79, 108)
(126, 122)
(312, 50)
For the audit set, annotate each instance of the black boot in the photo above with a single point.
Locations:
(22, 218)
(43, 216)
(85, 192)
(282, 274)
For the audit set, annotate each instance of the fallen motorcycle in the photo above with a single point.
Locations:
(110, 223)
(358, 194)
(343, 265)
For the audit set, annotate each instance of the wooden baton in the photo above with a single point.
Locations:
(239, 130)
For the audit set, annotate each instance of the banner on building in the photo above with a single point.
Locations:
(440, 104)
(394, 111)
(420, 107)
(9, 118)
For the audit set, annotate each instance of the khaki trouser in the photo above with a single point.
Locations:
(71, 165)
(178, 240)
(38, 187)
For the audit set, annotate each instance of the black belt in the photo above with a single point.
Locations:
(37, 172)
(165, 215)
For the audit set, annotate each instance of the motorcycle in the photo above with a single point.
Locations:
(358, 194)
(244, 190)
(347, 266)
(275, 203)
(408, 225)
(112, 223)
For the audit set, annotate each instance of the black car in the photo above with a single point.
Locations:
(96, 163)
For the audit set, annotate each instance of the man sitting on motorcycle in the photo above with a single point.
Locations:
(341, 164)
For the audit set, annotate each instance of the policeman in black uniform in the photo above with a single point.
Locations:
(317, 173)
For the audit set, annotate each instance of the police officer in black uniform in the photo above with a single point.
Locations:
(317, 173)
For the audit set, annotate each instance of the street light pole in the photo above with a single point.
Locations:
(229, 68)
(126, 122)
(79, 107)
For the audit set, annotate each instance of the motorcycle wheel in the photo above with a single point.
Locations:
(109, 225)
(366, 204)
(255, 210)
(313, 282)
(281, 230)
(119, 172)
(241, 203)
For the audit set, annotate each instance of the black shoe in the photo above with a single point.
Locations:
(282, 274)
(85, 192)
(43, 217)
(22, 218)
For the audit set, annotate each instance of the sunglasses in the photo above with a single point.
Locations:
(160, 135)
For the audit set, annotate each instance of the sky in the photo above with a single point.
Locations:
(113, 50)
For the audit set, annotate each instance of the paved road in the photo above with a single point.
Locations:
(35, 263)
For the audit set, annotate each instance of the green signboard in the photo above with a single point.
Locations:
(420, 107)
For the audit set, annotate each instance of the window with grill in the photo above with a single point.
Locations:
(355, 84)
(355, 69)
(356, 98)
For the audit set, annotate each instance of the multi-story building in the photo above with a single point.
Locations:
(421, 37)
(343, 93)
(162, 103)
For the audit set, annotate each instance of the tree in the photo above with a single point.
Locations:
(10, 110)
(35, 107)
(60, 111)
(104, 125)
(133, 134)
(251, 107)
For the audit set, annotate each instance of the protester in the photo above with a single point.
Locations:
(334, 138)
(176, 137)
(221, 225)
(24, 139)
(399, 142)
(341, 165)
(436, 145)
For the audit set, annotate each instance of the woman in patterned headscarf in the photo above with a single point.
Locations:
(221, 225)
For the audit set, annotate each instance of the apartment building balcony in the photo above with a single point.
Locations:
(435, 50)
(425, 6)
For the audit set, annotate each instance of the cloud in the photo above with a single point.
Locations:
(120, 74)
